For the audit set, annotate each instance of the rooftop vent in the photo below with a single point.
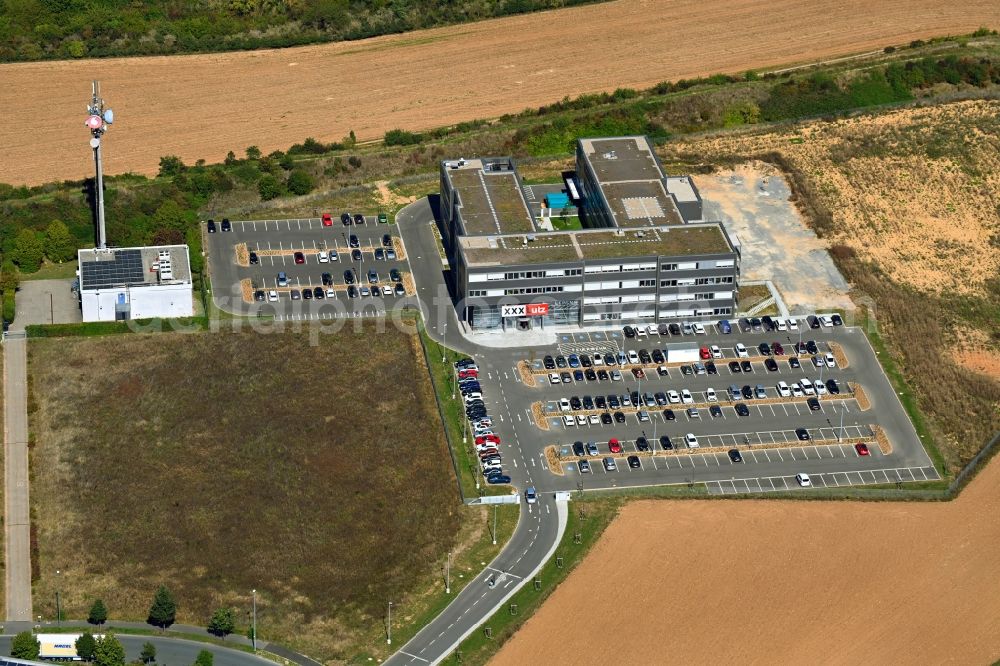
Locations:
(164, 267)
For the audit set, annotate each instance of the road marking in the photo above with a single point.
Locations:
(413, 656)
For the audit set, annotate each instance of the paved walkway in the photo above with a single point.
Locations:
(17, 522)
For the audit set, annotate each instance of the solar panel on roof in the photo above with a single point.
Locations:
(125, 268)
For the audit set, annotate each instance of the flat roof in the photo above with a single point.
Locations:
(666, 241)
(133, 266)
(632, 181)
(490, 198)
(680, 187)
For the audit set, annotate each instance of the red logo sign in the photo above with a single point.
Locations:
(537, 309)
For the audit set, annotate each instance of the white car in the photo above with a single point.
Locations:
(564, 405)
(673, 397)
(819, 387)
(640, 332)
(797, 391)
(803, 480)
(594, 419)
(691, 441)
(334, 256)
(331, 293)
(783, 390)
(826, 321)
(716, 352)
(554, 378)
(598, 360)
(569, 421)
(581, 420)
(710, 395)
(651, 329)
(807, 386)
(642, 415)
(793, 324)
(741, 350)
(272, 296)
(322, 257)
(686, 397)
(831, 362)
(698, 328)
(780, 324)
(633, 357)
(386, 290)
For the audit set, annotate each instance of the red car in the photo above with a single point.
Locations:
(777, 349)
(468, 374)
(487, 438)
(300, 258)
(327, 220)
(861, 448)
(638, 373)
(615, 446)
(704, 353)
(489, 453)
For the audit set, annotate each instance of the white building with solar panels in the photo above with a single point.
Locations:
(118, 284)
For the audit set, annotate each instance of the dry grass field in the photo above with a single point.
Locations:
(202, 106)
(907, 202)
(219, 463)
(781, 582)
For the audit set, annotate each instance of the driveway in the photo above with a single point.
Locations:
(46, 302)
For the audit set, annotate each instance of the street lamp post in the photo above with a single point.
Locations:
(444, 342)
(254, 630)
(388, 626)
(447, 574)
(494, 524)
(58, 607)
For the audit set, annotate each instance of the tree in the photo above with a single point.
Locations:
(108, 651)
(253, 153)
(86, 646)
(300, 182)
(164, 609)
(98, 613)
(59, 244)
(231, 158)
(25, 646)
(171, 165)
(148, 654)
(287, 162)
(169, 216)
(269, 187)
(204, 659)
(9, 278)
(222, 623)
(28, 251)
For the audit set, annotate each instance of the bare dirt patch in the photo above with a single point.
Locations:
(526, 375)
(839, 356)
(197, 106)
(555, 463)
(806, 582)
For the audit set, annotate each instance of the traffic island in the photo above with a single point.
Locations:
(554, 461)
(539, 415)
(864, 404)
(242, 255)
(525, 373)
(884, 445)
(838, 355)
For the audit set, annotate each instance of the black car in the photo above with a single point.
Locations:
(813, 404)
(399, 290)
(600, 402)
(711, 369)
(686, 370)
(379, 254)
(745, 366)
(771, 365)
(715, 411)
(549, 363)
(609, 359)
(588, 402)
(767, 323)
(735, 456)
(662, 371)
(327, 279)
(578, 449)
(675, 329)
(254, 259)
(603, 375)
(644, 356)
(833, 387)
(642, 444)
(318, 293)
(395, 275)
(585, 361)
(633, 462)
(742, 410)
(658, 357)
(811, 347)
(628, 331)
(734, 367)
(619, 417)
(660, 397)
(665, 443)
(756, 325)
(348, 277)
(813, 321)
(614, 402)
(802, 434)
(226, 224)
(386, 240)
(307, 294)
(590, 375)
(668, 415)
(561, 361)
(464, 363)
(764, 349)
(259, 296)
(355, 255)
(497, 478)
(747, 391)
(353, 241)
(359, 218)
(211, 226)
(345, 218)
(606, 418)
(745, 325)
(837, 320)
(352, 291)
(793, 362)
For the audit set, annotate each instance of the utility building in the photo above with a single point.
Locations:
(135, 283)
(644, 254)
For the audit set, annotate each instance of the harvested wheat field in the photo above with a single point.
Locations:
(202, 106)
(781, 582)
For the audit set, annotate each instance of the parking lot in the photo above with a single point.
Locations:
(308, 269)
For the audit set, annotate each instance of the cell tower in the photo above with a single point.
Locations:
(98, 121)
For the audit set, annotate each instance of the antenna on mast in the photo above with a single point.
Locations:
(98, 121)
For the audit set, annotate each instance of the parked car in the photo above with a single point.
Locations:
(633, 462)
(862, 449)
(584, 466)
(735, 456)
(802, 434)
(211, 226)
(665, 443)
(327, 220)
(300, 258)
(803, 480)
(691, 441)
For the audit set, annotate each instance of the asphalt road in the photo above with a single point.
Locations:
(174, 651)
(17, 522)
